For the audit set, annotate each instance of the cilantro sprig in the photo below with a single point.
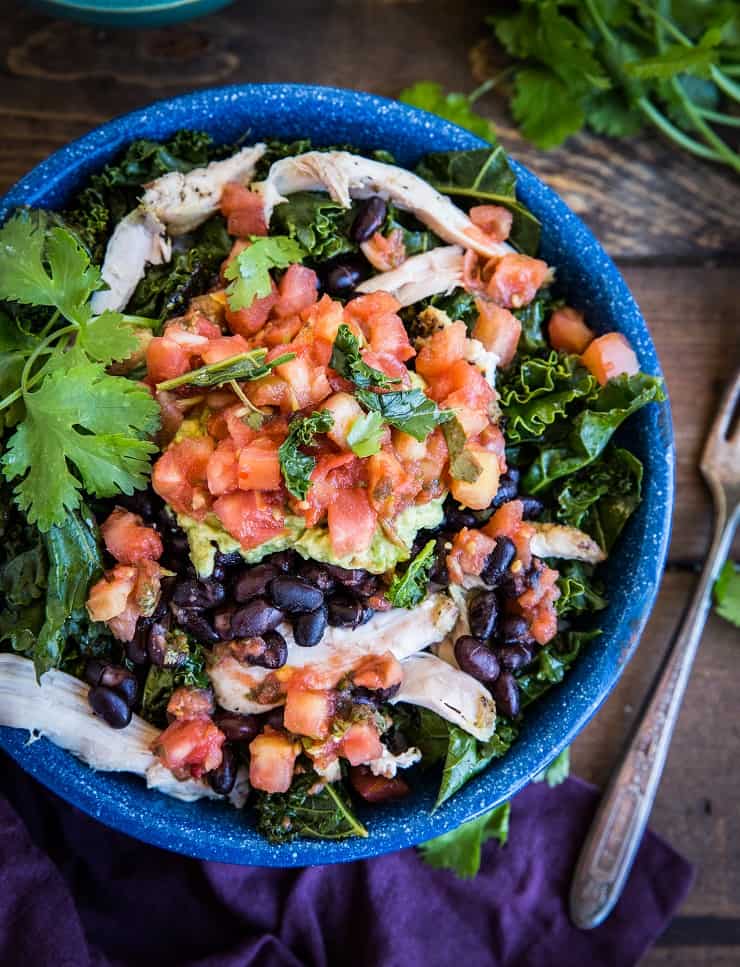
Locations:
(249, 272)
(81, 428)
(346, 360)
(296, 466)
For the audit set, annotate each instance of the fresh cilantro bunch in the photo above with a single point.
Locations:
(616, 67)
(77, 428)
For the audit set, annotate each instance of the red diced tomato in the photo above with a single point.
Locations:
(494, 220)
(271, 762)
(506, 520)
(385, 252)
(249, 517)
(308, 712)
(259, 466)
(179, 476)
(470, 548)
(165, 359)
(377, 789)
(498, 329)
(298, 289)
(387, 334)
(109, 596)
(332, 473)
(516, 279)
(568, 332)
(443, 348)
(246, 322)
(351, 522)
(389, 485)
(271, 390)
(609, 356)
(222, 472)
(345, 410)
(378, 671)
(223, 348)
(325, 317)
(192, 744)
(190, 703)
(240, 432)
(128, 540)
(361, 743)
(362, 308)
(244, 210)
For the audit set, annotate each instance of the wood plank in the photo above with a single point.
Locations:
(691, 957)
(642, 198)
(696, 808)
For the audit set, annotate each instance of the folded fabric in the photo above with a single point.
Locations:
(74, 893)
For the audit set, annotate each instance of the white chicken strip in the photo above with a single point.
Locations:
(184, 201)
(58, 708)
(559, 540)
(436, 271)
(399, 631)
(346, 176)
(175, 203)
(138, 240)
(455, 696)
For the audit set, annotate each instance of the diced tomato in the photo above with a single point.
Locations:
(444, 347)
(507, 522)
(190, 703)
(244, 210)
(190, 745)
(385, 252)
(387, 334)
(249, 517)
(307, 382)
(431, 468)
(389, 365)
(246, 322)
(568, 332)
(165, 359)
(478, 494)
(298, 289)
(109, 596)
(187, 334)
(377, 789)
(472, 421)
(222, 472)
(179, 476)
(361, 743)
(378, 671)
(128, 540)
(240, 432)
(465, 385)
(468, 555)
(271, 390)
(351, 522)
(538, 603)
(223, 348)
(325, 317)
(390, 487)
(516, 279)
(271, 762)
(407, 448)
(308, 712)
(609, 356)
(259, 466)
(345, 410)
(494, 220)
(362, 308)
(333, 472)
(498, 329)
(279, 332)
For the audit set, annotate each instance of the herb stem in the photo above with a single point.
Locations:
(42, 347)
(489, 84)
(674, 133)
(50, 324)
(719, 117)
(711, 137)
(355, 824)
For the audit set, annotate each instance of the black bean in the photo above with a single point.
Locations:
(309, 628)
(438, 572)
(342, 278)
(369, 219)
(368, 586)
(222, 622)
(483, 614)
(275, 718)
(347, 612)
(374, 696)
(157, 646)
(457, 517)
(253, 582)
(348, 577)
(284, 561)
(222, 778)
(515, 657)
(145, 503)
(94, 669)
(317, 575)
(513, 585)
(224, 560)
(506, 694)
(120, 680)
(195, 624)
(166, 590)
(110, 706)
(276, 652)
(136, 650)
(238, 728)
(255, 618)
(498, 561)
(508, 488)
(532, 508)
(295, 595)
(476, 658)
(514, 630)
(199, 594)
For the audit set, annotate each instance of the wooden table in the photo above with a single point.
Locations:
(670, 222)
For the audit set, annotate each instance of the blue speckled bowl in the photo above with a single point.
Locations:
(589, 279)
(130, 13)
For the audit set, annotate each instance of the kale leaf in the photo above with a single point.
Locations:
(311, 808)
(410, 588)
(460, 849)
(551, 663)
(347, 362)
(579, 591)
(317, 223)
(296, 466)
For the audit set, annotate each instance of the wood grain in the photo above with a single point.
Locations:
(641, 197)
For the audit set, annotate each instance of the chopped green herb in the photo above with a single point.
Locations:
(295, 465)
(240, 367)
(410, 588)
(249, 272)
(409, 410)
(365, 434)
(346, 360)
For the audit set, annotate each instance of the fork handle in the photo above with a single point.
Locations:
(616, 831)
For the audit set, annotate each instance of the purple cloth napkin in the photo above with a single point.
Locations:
(76, 894)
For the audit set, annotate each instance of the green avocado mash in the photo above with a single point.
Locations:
(206, 537)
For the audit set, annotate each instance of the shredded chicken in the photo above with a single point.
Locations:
(58, 709)
(559, 540)
(399, 631)
(437, 271)
(138, 240)
(452, 694)
(346, 176)
(388, 764)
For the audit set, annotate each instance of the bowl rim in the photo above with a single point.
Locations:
(71, 160)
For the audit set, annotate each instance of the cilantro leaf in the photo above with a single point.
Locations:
(409, 410)
(346, 360)
(460, 849)
(83, 418)
(545, 108)
(108, 337)
(409, 589)
(45, 268)
(249, 272)
(453, 106)
(557, 771)
(676, 59)
(365, 434)
(297, 467)
(727, 593)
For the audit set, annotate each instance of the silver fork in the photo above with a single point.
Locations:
(615, 834)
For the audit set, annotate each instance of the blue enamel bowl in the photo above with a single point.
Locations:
(588, 278)
(129, 13)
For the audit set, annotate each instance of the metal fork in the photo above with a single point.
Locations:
(615, 834)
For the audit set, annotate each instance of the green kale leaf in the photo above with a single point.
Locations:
(410, 588)
(557, 771)
(317, 223)
(460, 849)
(296, 466)
(311, 808)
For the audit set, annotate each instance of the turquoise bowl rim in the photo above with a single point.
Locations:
(213, 831)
